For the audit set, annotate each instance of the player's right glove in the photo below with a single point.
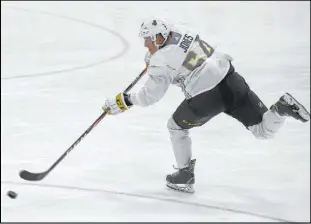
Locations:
(118, 104)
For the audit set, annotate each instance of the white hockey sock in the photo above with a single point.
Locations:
(270, 124)
(181, 143)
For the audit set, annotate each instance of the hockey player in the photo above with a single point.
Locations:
(210, 85)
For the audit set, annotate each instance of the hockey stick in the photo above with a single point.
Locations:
(24, 174)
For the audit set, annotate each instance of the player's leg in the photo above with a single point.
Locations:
(273, 119)
(191, 113)
(247, 108)
(255, 116)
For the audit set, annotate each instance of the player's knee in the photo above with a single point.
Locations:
(175, 130)
(172, 126)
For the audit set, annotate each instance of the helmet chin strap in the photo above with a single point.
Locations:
(153, 38)
(159, 45)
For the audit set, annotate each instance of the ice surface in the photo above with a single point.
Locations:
(59, 60)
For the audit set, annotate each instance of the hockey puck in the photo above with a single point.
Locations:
(12, 194)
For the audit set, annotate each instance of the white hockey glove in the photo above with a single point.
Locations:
(118, 104)
(147, 58)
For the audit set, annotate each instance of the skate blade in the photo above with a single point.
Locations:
(304, 114)
(188, 188)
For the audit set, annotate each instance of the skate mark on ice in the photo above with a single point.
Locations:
(123, 40)
(150, 197)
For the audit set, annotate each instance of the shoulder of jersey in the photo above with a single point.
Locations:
(164, 56)
(159, 58)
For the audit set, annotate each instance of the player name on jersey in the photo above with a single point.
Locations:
(186, 42)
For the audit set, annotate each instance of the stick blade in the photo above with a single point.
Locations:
(24, 174)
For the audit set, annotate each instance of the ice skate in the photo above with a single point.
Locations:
(183, 179)
(289, 106)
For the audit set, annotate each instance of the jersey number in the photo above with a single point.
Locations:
(192, 61)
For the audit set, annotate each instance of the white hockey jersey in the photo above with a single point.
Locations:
(186, 61)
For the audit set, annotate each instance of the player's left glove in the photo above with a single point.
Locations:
(118, 104)
(147, 58)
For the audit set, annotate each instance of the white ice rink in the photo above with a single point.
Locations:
(60, 60)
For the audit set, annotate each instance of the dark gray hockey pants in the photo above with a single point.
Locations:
(231, 96)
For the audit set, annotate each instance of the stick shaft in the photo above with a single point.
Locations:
(39, 176)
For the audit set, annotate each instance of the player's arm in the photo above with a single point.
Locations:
(153, 90)
(155, 87)
(148, 56)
